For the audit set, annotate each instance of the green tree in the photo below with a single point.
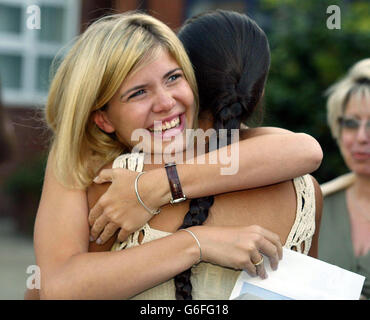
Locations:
(307, 58)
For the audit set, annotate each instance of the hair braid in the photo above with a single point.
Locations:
(230, 86)
(197, 214)
(228, 118)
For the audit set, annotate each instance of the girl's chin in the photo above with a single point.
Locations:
(176, 145)
(158, 147)
(362, 169)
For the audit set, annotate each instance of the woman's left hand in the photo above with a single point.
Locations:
(118, 207)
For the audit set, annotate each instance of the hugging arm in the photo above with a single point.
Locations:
(265, 156)
(68, 271)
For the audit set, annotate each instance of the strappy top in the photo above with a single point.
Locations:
(209, 281)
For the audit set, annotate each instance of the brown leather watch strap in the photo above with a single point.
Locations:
(175, 185)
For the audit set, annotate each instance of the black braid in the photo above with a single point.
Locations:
(231, 58)
(227, 118)
(197, 214)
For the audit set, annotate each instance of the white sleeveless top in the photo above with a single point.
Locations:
(209, 281)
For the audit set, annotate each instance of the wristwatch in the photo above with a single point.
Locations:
(175, 185)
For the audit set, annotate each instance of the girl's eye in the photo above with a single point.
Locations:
(174, 77)
(136, 94)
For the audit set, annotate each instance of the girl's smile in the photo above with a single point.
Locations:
(169, 127)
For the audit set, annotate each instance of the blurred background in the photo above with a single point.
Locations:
(307, 57)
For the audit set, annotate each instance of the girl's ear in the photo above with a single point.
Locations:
(102, 121)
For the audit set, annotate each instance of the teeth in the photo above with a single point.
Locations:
(174, 123)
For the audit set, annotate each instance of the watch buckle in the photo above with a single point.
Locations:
(178, 200)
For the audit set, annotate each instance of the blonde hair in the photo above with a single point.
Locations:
(93, 70)
(355, 83)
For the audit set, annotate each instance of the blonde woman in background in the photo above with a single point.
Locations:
(345, 228)
(95, 103)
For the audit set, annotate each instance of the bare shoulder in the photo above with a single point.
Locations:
(246, 133)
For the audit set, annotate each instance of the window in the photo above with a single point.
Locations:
(26, 54)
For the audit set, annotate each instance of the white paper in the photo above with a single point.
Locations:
(300, 277)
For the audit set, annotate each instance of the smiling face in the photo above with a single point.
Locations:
(156, 98)
(355, 142)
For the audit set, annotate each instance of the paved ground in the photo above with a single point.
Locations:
(16, 254)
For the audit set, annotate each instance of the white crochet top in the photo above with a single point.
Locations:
(210, 281)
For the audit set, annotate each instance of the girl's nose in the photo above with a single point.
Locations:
(164, 101)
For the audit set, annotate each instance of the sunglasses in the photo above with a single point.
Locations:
(352, 124)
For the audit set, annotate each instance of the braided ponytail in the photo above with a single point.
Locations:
(197, 214)
(226, 118)
(231, 57)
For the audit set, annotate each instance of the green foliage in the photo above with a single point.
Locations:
(26, 179)
(307, 58)
(23, 187)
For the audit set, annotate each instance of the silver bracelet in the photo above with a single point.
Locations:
(196, 239)
(153, 212)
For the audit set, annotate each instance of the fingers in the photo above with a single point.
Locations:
(250, 269)
(273, 238)
(98, 227)
(255, 265)
(267, 243)
(108, 232)
(106, 175)
(123, 235)
(258, 264)
(95, 213)
(270, 250)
